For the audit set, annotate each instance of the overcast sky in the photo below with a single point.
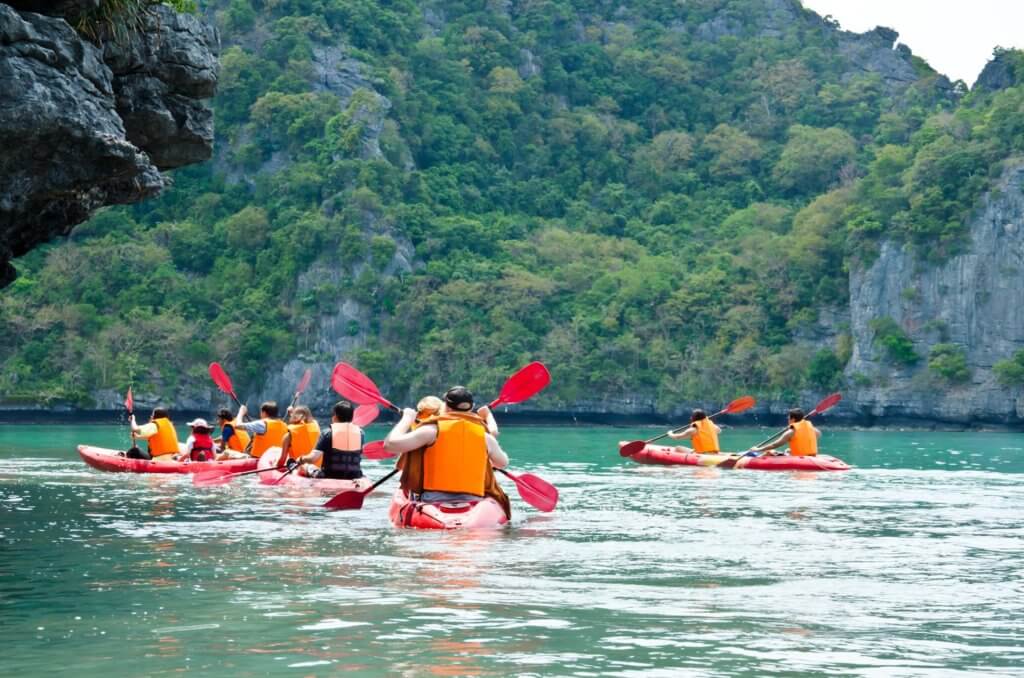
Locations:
(955, 36)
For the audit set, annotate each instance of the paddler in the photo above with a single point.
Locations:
(339, 451)
(231, 439)
(159, 433)
(199, 445)
(702, 432)
(303, 433)
(449, 456)
(267, 431)
(801, 435)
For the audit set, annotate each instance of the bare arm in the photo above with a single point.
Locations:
(497, 455)
(286, 445)
(782, 440)
(488, 417)
(684, 434)
(401, 440)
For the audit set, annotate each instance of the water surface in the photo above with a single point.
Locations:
(910, 564)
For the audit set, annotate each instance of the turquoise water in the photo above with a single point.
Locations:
(910, 564)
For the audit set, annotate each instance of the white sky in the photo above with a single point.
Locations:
(955, 36)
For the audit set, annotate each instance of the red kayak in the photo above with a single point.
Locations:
(672, 456)
(113, 460)
(486, 513)
(293, 479)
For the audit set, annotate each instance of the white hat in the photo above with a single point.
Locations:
(198, 422)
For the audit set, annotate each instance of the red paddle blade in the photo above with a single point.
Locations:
(346, 501)
(741, 404)
(357, 387)
(535, 491)
(523, 385)
(827, 403)
(629, 449)
(129, 402)
(221, 379)
(365, 414)
(375, 450)
(211, 478)
(304, 382)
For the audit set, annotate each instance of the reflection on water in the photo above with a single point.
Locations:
(900, 567)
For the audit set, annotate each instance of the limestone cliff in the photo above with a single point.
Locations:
(972, 301)
(83, 126)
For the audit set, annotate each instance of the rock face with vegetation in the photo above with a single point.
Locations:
(86, 125)
(666, 202)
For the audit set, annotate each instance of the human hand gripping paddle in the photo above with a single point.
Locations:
(821, 407)
(741, 404)
(353, 384)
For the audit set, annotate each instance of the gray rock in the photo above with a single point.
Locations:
(998, 74)
(973, 300)
(94, 133)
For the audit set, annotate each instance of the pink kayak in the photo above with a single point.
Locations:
(113, 460)
(293, 479)
(672, 456)
(486, 513)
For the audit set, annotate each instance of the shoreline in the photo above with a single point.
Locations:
(554, 419)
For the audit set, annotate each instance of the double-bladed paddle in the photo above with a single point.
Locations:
(824, 405)
(741, 404)
(530, 380)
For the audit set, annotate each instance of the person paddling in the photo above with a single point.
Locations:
(456, 453)
(267, 431)
(231, 440)
(801, 435)
(303, 433)
(159, 433)
(199, 445)
(702, 431)
(339, 451)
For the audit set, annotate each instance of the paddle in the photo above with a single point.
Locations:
(359, 388)
(223, 381)
(303, 383)
(135, 452)
(375, 450)
(365, 415)
(523, 385)
(741, 404)
(350, 500)
(218, 477)
(824, 405)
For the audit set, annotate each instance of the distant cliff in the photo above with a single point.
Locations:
(84, 125)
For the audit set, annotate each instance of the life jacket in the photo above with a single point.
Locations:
(202, 447)
(343, 459)
(803, 443)
(238, 441)
(457, 461)
(272, 438)
(705, 440)
(304, 437)
(411, 479)
(165, 440)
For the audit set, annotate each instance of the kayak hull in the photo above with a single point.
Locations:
(106, 459)
(671, 456)
(483, 514)
(293, 479)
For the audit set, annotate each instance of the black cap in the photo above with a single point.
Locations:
(459, 398)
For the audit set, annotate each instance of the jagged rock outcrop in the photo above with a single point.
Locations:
(998, 74)
(97, 124)
(972, 300)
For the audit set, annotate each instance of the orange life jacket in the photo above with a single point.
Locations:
(804, 442)
(705, 440)
(272, 438)
(165, 440)
(239, 439)
(304, 438)
(457, 461)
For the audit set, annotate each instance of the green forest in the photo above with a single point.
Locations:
(649, 209)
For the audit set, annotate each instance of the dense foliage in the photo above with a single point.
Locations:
(648, 206)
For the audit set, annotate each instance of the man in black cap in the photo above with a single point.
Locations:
(458, 448)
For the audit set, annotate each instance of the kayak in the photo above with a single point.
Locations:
(293, 479)
(486, 513)
(106, 459)
(672, 456)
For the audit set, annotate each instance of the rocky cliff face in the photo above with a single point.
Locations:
(91, 126)
(972, 300)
